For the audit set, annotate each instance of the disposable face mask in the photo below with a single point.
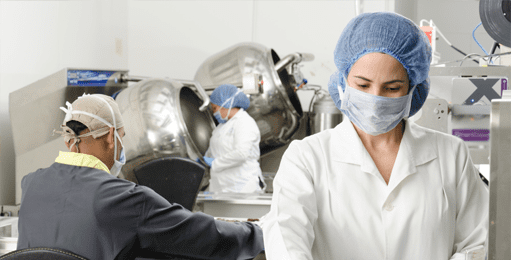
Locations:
(375, 115)
(219, 118)
(116, 168)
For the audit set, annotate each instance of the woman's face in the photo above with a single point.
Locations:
(223, 111)
(379, 74)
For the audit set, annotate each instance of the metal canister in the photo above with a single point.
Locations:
(325, 114)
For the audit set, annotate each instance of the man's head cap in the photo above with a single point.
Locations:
(94, 112)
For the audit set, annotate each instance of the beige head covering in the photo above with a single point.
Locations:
(96, 112)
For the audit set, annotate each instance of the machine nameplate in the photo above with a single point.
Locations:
(474, 135)
(88, 78)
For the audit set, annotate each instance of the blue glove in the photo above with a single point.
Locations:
(208, 160)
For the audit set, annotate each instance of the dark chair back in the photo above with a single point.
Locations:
(41, 253)
(176, 179)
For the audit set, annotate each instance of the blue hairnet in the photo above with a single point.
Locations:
(388, 33)
(225, 92)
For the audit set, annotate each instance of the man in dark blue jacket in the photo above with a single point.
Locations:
(78, 204)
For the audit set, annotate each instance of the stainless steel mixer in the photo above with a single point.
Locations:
(164, 118)
(276, 108)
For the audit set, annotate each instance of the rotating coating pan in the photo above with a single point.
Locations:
(162, 119)
(277, 109)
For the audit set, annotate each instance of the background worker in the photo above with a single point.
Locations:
(78, 203)
(233, 151)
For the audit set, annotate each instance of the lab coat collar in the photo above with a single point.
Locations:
(416, 148)
(347, 137)
(232, 119)
(356, 154)
(237, 115)
(422, 147)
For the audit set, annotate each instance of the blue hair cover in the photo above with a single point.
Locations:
(227, 92)
(388, 33)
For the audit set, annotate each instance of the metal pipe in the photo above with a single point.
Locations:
(126, 78)
(285, 135)
(293, 58)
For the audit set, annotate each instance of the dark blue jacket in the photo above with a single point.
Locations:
(94, 214)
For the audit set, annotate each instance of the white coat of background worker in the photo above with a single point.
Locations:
(233, 151)
(378, 186)
(78, 204)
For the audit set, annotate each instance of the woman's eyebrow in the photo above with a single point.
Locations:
(388, 82)
(360, 77)
(395, 81)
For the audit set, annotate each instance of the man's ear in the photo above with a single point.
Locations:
(110, 138)
(68, 144)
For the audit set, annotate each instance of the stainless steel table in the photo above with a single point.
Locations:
(234, 205)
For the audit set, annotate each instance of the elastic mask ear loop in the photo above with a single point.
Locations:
(230, 106)
(115, 127)
(69, 115)
(229, 111)
(69, 134)
(409, 105)
(76, 141)
(341, 93)
(339, 88)
(118, 137)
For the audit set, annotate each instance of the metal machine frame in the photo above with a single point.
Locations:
(500, 181)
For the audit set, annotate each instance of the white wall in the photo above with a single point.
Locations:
(155, 38)
(38, 38)
(172, 38)
(407, 8)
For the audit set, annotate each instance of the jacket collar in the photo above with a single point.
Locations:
(347, 137)
(416, 148)
(235, 117)
(80, 159)
(238, 114)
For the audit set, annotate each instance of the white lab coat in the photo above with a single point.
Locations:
(235, 147)
(330, 201)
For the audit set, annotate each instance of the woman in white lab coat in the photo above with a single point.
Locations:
(378, 186)
(233, 151)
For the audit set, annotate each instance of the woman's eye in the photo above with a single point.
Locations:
(394, 88)
(362, 86)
